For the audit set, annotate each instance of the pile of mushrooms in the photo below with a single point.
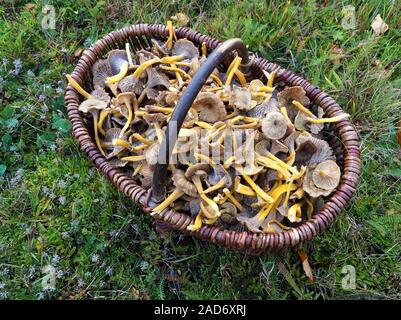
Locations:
(270, 168)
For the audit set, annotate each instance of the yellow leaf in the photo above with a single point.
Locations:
(181, 19)
(305, 265)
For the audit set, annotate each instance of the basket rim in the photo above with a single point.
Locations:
(244, 240)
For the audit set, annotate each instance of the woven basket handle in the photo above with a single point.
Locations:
(183, 106)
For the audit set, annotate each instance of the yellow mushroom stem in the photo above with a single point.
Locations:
(159, 132)
(210, 211)
(329, 120)
(140, 113)
(233, 200)
(250, 119)
(138, 137)
(140, 147)
(259, 191)
(243, 189)
(251, 125)
(220, 184)
(161, 109)
(241, 78)
(216, 79)
(144, 66)
(234, 66)
(270, 80)
(211, 136)
(309, 210)
(175, 69)
(291, 158)
(122, 143)
(129, 119)
(298, 194)
(197, 223)
(171, 59)
(97, 140)
(102, 117)
(203, 125)
(134, 158)
(261, 94)
(294, 212)
(142, 96)
(282, 164)
(229, 162)
(285, 114)
(288, 191)
(168, 201)
(301, 173)
(279, 224)
(204, 158)
(77, 87)
(181, 63)
(236, 119)
(204, 49)
(305, 110)
(171, 35)
(137, 169)
(213, 205)
(211, 221)
(266, 89)
(273, 165)
(119, 76)
(230, 116)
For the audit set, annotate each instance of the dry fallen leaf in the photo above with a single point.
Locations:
(181, 19)
(30, 6)
(78, 52)
(379, 26)
(305, 265)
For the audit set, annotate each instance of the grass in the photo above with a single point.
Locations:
(56, 210)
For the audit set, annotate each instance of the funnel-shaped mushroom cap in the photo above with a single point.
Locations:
(155, 117)
(310, 188)
(101, 71)
(111, 134)
(157, 80)
(92, 104)
(116, 59)
(252, 223)
(262, 109)
(277, 147)
(326, 175)
(262, 148)
(211, 107)
(195, 169)
(218, 173)
(129, 84)
(290, 94)
(274, 125)
(312, 150)
(101, 94)
(126, 98)
(182, 183)
(240, 98)
(289, 141)
(185, 48)
(152, 153)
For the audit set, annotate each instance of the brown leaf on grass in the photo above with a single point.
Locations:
(336, 54)
(305, 265)
(30, 6)
(78, 52)
(181, 19)
(379, 26)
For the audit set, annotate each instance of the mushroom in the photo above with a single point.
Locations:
(181, 182)
(288, 95)
(312, 150)
(228, 213)
(261, 110)
(101, 71)
(274, 125)
(92, 106)
(110, 143)
(129, 100)
(117, 59)
(259, 91)
(218, 178)
(186, 49)
(326, 175)
(310, 188)
(240, 98)
(211, 107)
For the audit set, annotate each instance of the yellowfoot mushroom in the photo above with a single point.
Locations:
(211, 107)
(326, 175)
(274, 125)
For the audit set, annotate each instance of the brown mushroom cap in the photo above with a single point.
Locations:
(240, 98)
(228, 213)
(155, 117)
(262, 148)
(185, 48)
(101, 71)
(193, 169)
(277, 147)
(218, 173)
(307, 144)
(129, 84)
(101, 94)
(116, 58)
(289, 94)
(211, 107)
(182, 183)
(310, 188)
(274, 125)
(326, 175)
(262, 109)
(92, 104)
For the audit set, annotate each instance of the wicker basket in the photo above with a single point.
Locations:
(343, 139)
